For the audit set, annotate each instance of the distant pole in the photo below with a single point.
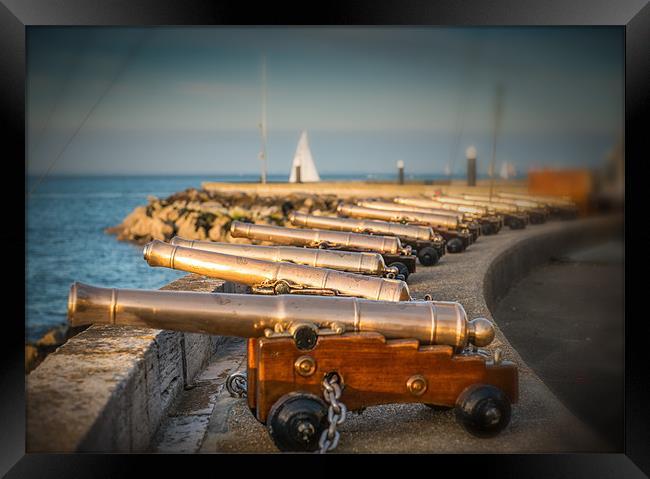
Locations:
(400, 172)
(470, 153)
(497, 121)
(263, 124)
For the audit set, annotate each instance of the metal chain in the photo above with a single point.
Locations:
(336, 413)
(237, 384)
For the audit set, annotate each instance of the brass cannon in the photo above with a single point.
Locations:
(389, 247)
(550, 200)
(464, 222)
(512, 216)
(351, 261)
(427, 245)
(490, 224)
(537, 213)
(449, 228)
(558, 206)
(270, 277)
(301, 347)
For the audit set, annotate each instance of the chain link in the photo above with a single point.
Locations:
(237, 384)
(336, 414)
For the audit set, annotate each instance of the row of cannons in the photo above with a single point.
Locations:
(330, 321)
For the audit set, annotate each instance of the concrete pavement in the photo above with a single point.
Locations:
(540, 422)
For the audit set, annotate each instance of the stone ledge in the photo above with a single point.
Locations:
(108, 388)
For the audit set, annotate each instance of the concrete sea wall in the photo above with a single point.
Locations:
(109, 387)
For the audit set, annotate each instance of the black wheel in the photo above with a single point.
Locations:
(487, 229)
(517, 224)
(403, 270)
(454, 245)
(296, 422)
(483, 410)
(428, 256)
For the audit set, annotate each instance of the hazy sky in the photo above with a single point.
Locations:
(188, 100)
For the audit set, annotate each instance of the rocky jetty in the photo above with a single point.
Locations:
(207, 215)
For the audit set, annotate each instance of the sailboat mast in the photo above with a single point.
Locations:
(263, 125)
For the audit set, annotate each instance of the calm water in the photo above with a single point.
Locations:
(66, 218)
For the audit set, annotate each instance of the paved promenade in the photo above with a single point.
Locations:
(207, 419)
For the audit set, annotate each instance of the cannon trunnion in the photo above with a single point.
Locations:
(285, 383)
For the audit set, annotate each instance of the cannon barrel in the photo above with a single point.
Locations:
(551, 201)
(385, 205)
(267, 274)
(316, 238)
(350, 261)
(399, 216)
(524, 204)
(426, 203)
(405, 232)
(498, 207)
(251, 316)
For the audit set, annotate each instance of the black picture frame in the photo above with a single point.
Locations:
(633, 15)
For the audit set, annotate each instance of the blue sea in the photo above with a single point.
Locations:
(66, 218)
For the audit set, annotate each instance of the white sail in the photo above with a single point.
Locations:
(303, 158)
(504, 170)
(508, 170)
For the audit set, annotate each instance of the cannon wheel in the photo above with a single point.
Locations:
(428, 256)
(454, 245)
(483, 410)
(402, 268)
(296, 422)
(487, 229)
(517, 224)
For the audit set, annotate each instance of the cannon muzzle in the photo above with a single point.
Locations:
(405, 232)
(251, 316)
(269, 277)
(315, 238)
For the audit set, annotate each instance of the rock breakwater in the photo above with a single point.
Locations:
(207, 215)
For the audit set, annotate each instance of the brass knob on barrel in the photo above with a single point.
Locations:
(480, 332)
